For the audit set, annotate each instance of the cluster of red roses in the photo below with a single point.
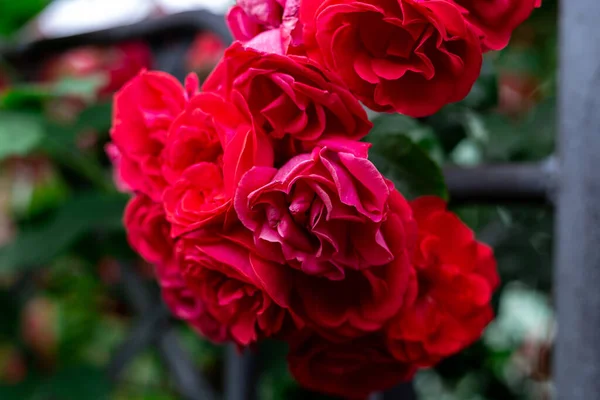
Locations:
(264, 217)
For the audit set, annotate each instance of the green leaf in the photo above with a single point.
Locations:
(404, 151)
(97, 117)
(37, 246)
(421, 135)
(60, 144)
(16, 13)
(85, 88)
(20, 133)
(484, 93)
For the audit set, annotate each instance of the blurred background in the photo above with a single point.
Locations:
(65, 311)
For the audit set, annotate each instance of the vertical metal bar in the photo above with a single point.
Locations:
(577, 272)
(240, 375)
(404, 391)
(189, 381)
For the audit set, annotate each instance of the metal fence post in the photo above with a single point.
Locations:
(577, 272)
(241, 373)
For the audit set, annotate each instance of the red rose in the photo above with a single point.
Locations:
(149, 234)
(497, 19)
(364, 300)
(269, 25)
(242, 292)
(143, 112)
(148, 231)
(294, 102)
(302, 213)
(209, 147)
(197, 199)
(454, 279)
(186, 305)
(352, 370)
(344, 285)
(409, 56)
(199, 134)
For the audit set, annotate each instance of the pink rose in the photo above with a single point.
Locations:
(268, 25)
(302, 213)
(290, 99)
(344, 285)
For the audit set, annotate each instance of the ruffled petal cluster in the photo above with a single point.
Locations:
(256, 201)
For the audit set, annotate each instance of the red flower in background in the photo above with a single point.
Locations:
(40, 328)
(4, 81)
(408, 56)
(518, 92)
(118, 64)
(205, 52)
(13, 365)
(495, 20)
(454, 279)
(352, 369)
(289, 98)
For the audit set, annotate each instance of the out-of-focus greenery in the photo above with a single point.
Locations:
(62, 313)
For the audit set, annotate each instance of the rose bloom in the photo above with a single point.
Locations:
(117, 64)
(454, 279)
(271, 25)
(244, 293)
(301, 214)
(143, 112)
(342, 229)
(407, 56)
(148, 231)
(209, 147)
(497, 19)
(290, 98)
(352, 370)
